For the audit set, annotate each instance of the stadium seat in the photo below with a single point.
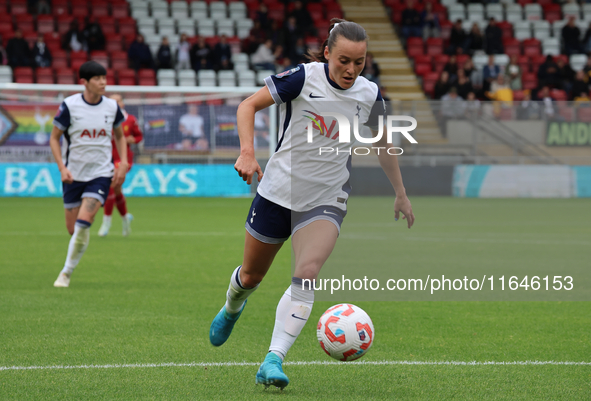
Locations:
(18, 7)
(571, 9)
(126, 76)
(127, 26)
(246, 78)
(45, 23)
(512, 47)
(25, 22)
(166, 77)
(44, 76)
(100, 57)
(5, 74)
(552, 12)
(475, 11)
(119, 60)
(187, 78)
(529, 81)
(226, 78)
(186, 26)
(434, 46)
(114, 42)
(225, 27)
(108, 24)
(59, 59)
(422, 69)
(533, 11)
(120, 10)
(531, 47)
(578, 61)
(80, 10)
(99, 8)
(495, 11)
(480, 60)
(551, 46)
(206, 27)
(206, 77)
(60, 7)
(524, 63)
(502, 60)
(262, 74)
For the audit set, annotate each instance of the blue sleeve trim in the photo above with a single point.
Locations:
(62, 118)
(119, 118)
(287, 85)
(378, 109)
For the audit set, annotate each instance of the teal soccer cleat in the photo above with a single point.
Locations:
(222, 326)
(271, 372)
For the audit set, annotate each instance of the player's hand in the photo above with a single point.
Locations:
(67, 177)
(119, 176)
(402, 204)
(246, 166)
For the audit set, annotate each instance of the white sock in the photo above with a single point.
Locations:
(293, 312)
(237, 294)
(78, 244)
(107, 219)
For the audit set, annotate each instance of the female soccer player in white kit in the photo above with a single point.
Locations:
(86, 121)
(302, 193)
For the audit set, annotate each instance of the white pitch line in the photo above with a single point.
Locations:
(297, 363)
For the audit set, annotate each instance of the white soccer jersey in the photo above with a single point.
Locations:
(87, 150)
(297, 176)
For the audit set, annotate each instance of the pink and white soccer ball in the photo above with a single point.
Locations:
(345, 332)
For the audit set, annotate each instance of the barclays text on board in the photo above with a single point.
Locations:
(43, 180)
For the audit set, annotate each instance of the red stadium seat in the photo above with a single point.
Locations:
(59, 59)
(147, 81)
(25, 22)
(423, 59)
(330, 14)
(114, 42)
(120, 10)
(127, 26)
(316, 11)
(507, 29)
(99, 9)
(45, 76)
(524, 63)
(119, 60)
(18, 7)
(66, 80)
(100, 57)
(111, 77)
(126, 76)
(434, 46)
(529, 81)
(80, 55)
(30, 37)
(562, 57)
(60, 7)
(422, 69)
(23, 75)
(77, 63)
(462, 58)
(524, 2)
(45, 23)
(512, 47)
(80, 9)
(108, 24)
(518, 95)
(531, 47)
(146, 73)
(276, 11)
(558, 94)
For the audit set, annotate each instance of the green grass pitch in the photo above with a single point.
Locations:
(149, 299)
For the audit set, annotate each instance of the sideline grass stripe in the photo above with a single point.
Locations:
(297, 363)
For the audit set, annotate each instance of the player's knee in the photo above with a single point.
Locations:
(250, 280)
(308, 270)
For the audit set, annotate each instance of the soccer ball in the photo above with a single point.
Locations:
(345, 332)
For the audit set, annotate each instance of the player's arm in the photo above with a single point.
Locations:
(121, 145)
(54, 144)
(246, 165)
(389, 164)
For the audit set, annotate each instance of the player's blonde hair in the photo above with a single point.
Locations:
(339, 27)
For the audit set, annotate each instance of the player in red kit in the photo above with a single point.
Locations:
(132, 133)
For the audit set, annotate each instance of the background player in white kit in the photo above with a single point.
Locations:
(86, 121)
(302, 194)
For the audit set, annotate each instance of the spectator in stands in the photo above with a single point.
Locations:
(191, 126)
(371, 71)
(548, 72)
(583, 99)
(472, 105)
(474, 75)
(262, 16)
(586, 44)
(201, 55)
(299, 52)
(566, 75)
(183, 53)
(513, 73)
(451, 67)
(255, 38)
(475, 40)
(411, 21)
(548, 104)
(570, 37)
(41, 54)
(164, 55)
(441, 86)
(17, 49)
(263, 58)
(493, 38)
(39, 6)
(587, 70)
(457, 39)
(490, 72)
(290, 34)
(430, 22)
(73, 39)
(303, 18)
(222, 55)
(528, 109)
(140, 55)
(501, 93)
(3, 54)
(463, 84)
(452, 107)
(93, 35)
(579, 84)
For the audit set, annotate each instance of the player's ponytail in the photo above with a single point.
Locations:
(338, 27)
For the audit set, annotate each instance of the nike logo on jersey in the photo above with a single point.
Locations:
(293, 315)
(252, 218)
(316, 97)
(330, 213)
(100, 191)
